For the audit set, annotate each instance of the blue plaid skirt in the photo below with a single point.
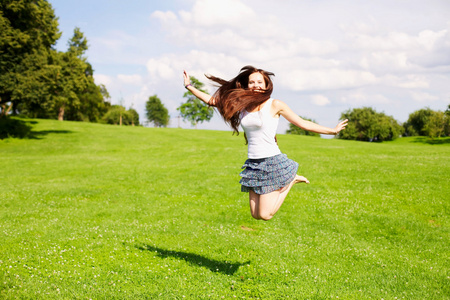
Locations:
(269, 174)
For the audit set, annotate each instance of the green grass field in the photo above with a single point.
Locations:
(90, 211)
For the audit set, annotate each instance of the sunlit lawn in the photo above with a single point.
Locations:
(91, 211)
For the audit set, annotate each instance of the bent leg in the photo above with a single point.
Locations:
(254, 204)
(270, 203)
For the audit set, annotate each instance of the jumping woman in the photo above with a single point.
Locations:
(245, 101)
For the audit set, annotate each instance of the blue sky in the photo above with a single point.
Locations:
(328, 56)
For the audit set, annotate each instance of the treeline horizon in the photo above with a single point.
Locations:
(38, 81)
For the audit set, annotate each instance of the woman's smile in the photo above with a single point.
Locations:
(256, 82)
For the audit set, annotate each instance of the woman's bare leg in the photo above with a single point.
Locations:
(254, 204)
(269, 204)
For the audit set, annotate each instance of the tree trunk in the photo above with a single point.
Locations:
(9, 109)
(61, 113)
(5, 111)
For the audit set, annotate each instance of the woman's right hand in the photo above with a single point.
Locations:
(187, 79)
(197, 93)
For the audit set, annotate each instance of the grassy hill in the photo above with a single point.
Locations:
(95, 211)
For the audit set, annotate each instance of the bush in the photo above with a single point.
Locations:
(427, 122)
(365, 124)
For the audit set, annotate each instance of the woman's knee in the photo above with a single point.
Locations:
(265, 216)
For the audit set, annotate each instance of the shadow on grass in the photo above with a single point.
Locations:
(16, 128)
(40, 134)
(10, 127)
(223, 267)
(431, 141)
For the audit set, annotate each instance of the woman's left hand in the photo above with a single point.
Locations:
(340, 126)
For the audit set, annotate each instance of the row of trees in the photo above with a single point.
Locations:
(38, 81)
(366, 124)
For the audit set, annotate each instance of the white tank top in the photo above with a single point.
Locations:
(260, 128)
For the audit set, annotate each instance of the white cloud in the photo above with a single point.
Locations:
(162, 68)
(326, 79)
(409, 81)
(219, 13)
(234, 28)
(130, 79)
(430, 39)
(361, 98)
(402, 52)
(165, 17)
(423, 97)
(386, 62)
(319, 100)
(102, 79)
(196, 63)
(388, 42)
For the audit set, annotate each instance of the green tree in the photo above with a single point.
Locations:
(35, 79)
(134, 116)
(93, 101)
(427, 122)
(156, 112)
(93, 105)
(78, 44)
(68, 90)
(195, 110)
(365, 124)
(118, 115)
(28, 32)
(75, 75)
(435, 126)
(297, 130)
(417, 121)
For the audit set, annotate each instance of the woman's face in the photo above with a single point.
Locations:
(256, 81)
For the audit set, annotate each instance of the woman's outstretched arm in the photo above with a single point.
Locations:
(283, 109)
(208, 99)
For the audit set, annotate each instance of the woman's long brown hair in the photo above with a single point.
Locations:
(233, 96)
